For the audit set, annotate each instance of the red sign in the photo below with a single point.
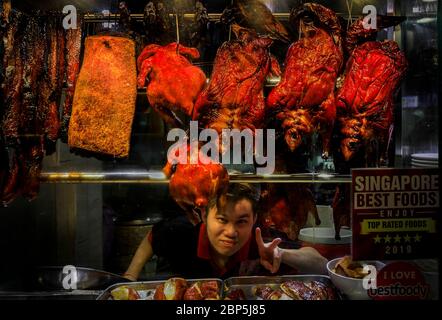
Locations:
(400, 281)
(394, 213)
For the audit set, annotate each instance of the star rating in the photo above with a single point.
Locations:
(407, 238)
(387, 239)
(397, 239)
(377, 239)
(417, 238)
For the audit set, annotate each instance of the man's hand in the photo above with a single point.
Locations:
(269, 253)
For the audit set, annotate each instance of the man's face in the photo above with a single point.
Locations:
(229, 229)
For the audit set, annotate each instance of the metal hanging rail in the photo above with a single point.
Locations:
(99, 17)
(158, 177)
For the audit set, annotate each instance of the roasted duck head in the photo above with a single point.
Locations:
(254, 14)
(194, 185)
(173, 83)
(365, 102)
(304, 100)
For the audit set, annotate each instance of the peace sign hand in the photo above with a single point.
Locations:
(270, 254)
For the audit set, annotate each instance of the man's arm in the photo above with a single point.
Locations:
(142, 255)
(305, 260)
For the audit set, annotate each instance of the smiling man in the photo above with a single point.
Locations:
(223, 245)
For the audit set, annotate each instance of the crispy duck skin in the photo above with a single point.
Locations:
(73, 51)
(234, 98)
(365, 102)
(304, 99)
(192, 186)
(172, 82)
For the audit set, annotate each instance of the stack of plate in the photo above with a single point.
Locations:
(425, 160)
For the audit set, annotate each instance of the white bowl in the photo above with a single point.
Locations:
(351, 287)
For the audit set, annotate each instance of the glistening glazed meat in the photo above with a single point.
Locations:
(286, 208)
(234, 98)
(365, 102)
(73, 51)
(304, 99)
(192, 186)
(173, 83)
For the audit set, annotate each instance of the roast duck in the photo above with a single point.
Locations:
(365, 102)
(365, 105)
(104, 100)
(192, 186)
(304, 100)
(33, 55)
(234, 98)
(286, 208)
(172, 82)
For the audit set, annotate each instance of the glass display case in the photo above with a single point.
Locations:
(93, 211)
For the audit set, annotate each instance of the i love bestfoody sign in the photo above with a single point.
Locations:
(394, 213)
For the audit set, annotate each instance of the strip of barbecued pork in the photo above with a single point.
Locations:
(33, 112)
(10, 121)
(73, 50)
(53, 83)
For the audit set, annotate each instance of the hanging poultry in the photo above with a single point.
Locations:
(192, 186)
(234, 98)
(73, 51)
(304, 99)
(286, 208)
(173, 83)
(365, 102)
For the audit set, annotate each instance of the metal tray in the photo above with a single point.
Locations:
(146, 289)
(247, 284)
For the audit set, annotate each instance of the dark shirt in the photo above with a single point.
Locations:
(187, 250)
